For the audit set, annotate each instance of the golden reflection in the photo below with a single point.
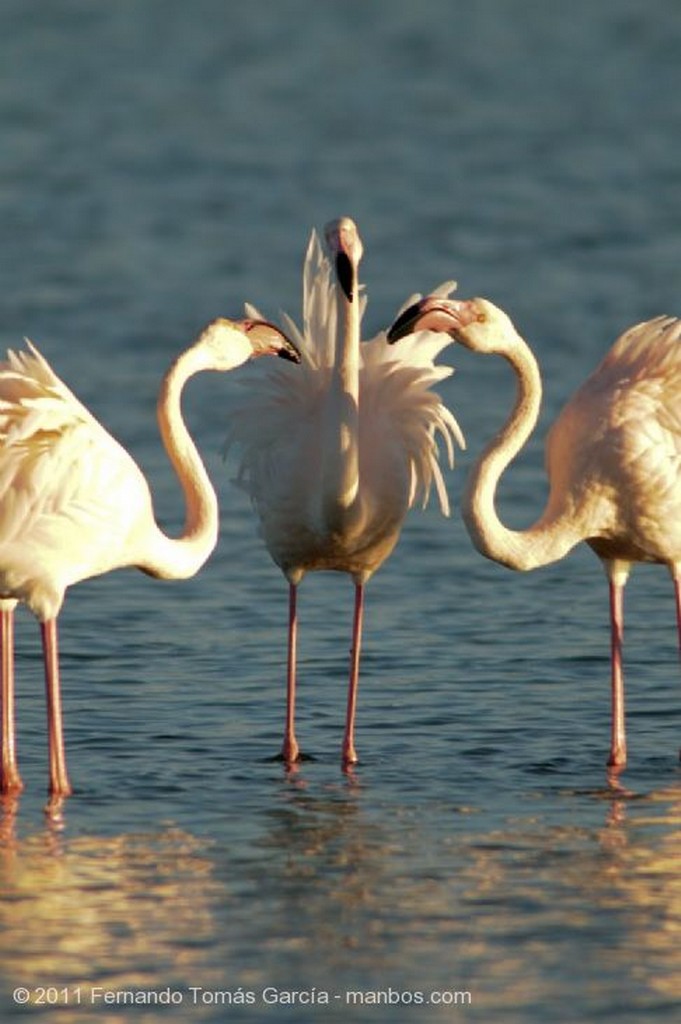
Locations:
(9, 809)
(509, 904)
(330, 864)
(127, 908)
(337, 890)
(615, 889)
(643, 876)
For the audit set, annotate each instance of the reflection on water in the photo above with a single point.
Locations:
(509, 905)
(613, 893)
(120, 911)
(339, 898)
(642, 877)
(159, 168)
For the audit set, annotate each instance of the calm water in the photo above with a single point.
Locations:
(161, 163)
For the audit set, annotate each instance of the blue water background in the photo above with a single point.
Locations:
(162, 162)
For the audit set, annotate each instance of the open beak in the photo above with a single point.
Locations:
(434, 314)
(268, 339)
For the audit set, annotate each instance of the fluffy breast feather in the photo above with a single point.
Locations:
(277, 428)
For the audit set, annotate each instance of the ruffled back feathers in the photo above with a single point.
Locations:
(395, 384)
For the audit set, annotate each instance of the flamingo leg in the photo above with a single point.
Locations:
(290, 750)
(349, 752)
(59, 780)
(618, 740)
(10, 780)
(677, 594)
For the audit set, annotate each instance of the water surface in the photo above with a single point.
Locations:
(160, 164)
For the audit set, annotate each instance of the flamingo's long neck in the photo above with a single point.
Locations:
(550, 537)
(179, 558)
(341, 466)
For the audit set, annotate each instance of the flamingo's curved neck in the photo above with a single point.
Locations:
(550, 537)
(179, 558)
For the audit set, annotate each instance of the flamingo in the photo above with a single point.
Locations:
(334, 456)
(612, 456)
(74, 504)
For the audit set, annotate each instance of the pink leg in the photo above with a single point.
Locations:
(290, 750)
(618, 742)
(349, 752)
(10, 780)
(677, 592)
(59, 780)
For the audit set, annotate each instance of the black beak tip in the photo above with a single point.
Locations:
(404, 324)
(345, 275)
(290, 353)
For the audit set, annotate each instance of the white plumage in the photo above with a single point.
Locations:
(74, 504)
(64, 482)
(335, 453)
(613, 459)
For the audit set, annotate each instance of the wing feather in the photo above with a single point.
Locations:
(396, 400)
(59, 466)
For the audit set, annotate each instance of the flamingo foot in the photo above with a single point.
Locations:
(10, 783)
(618, 757)
(281, 758)
(290, 751)
(59, 788)
(349, 757)
(54, 808)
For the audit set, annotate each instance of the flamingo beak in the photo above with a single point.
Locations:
(345, 275)
(345, 248)
(405, 324)
(433, 314)
(268, 339)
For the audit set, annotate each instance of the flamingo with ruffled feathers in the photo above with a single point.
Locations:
(74, 504)
(336, 455)
(613, 459)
